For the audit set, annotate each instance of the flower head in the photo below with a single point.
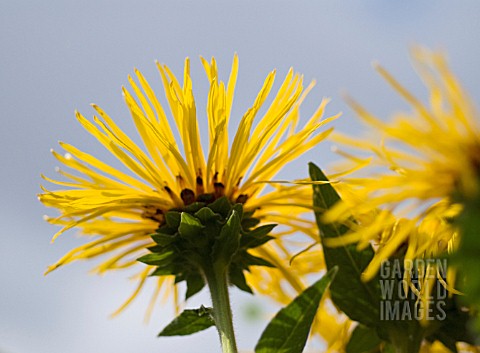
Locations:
(420, 166)
(122, 209)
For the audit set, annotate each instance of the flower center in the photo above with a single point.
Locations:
(188, 197)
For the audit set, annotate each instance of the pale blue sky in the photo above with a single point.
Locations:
(58, 56)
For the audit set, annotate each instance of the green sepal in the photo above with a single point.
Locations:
(237, 278)
(172, 218)
(256, 237)
(166, 229)
(189, 321)
(206, 215)
(156, 248)
(221, 206)
(359, 300)
(248, 214)
(180, 278)
(190, 226)
(194, 207)
(239, 209)
(248, 259)
(157, 259)
(163, 271)
(363, 340)
(289, 329)
(163, 239)
(228, 241)
(249, 221)
(212, 230)
(195, 284)
(202, 235)
(190, 258)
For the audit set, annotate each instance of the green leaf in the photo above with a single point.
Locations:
(289, 329)
(357, 299)
(195, 284)
(189, 321)
(157, 259)
(466, 257)
(190, 226)
(228, 241)
(363, 340)
(237, 278)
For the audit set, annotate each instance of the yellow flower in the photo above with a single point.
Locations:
(438, 347)
(121, 209)
(419, 166)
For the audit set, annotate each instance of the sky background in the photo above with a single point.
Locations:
(58, 56)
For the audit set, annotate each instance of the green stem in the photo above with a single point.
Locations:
(216, 277)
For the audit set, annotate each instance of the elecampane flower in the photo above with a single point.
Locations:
(121, 209)
(437, 347)
(425, 161)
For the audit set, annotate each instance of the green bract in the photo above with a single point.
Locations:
(202, 236)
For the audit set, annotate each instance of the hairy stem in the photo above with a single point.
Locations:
(216, 277)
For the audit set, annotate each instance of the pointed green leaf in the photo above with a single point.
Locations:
(363, 340)
(289, 329)
(157, 259)
(466, 257)
(357, 299)
(237, 278)
(227, 243)
(195, 284)
(189, 321)
(190, 226)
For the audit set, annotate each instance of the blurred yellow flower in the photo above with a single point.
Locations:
(437, 347)
(121, 209)
(416, 168)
